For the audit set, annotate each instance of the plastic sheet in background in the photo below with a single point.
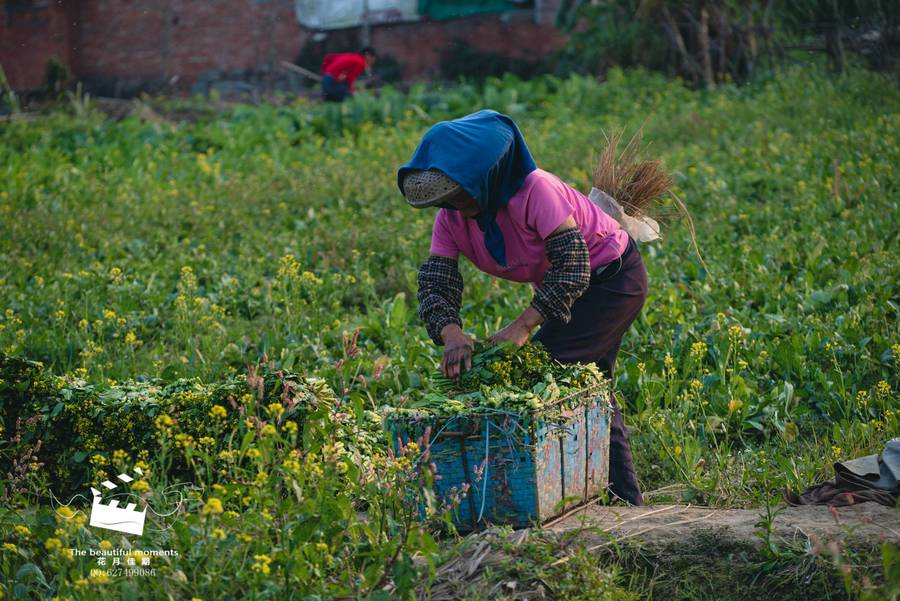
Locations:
(340, 14)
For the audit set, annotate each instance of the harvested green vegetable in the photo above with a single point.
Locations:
(524, 380)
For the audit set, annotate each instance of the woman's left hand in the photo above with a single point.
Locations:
(516, 332)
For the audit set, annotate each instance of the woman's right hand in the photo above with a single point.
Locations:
(457, 351)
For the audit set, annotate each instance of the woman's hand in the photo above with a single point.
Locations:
(519, 330)
(457, 351)
(515, 332)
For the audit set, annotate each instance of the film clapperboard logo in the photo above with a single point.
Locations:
(113, 517)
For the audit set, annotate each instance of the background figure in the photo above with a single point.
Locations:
(339, 71)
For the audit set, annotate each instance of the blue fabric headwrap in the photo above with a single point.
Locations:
(485, 154)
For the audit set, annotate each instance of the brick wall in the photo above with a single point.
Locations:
(106, 41)
(418, 46)
(122, 44)
(155, 41)
(31, 33)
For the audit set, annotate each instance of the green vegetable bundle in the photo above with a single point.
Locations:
(523, 380)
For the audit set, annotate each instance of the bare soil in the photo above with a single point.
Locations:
(661, 525)
(675, 552)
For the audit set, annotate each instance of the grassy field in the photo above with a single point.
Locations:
(140, 253)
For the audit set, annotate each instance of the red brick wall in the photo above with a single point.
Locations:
(154, 41)
(31, 33)
(418, 45)
(135, 39)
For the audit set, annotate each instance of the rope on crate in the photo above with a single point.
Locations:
(487, 438)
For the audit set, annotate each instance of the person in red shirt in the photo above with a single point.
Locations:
(339, 71)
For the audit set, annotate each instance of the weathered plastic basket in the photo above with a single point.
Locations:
(518, 469)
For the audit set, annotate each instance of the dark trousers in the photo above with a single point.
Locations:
(334, 90)
(600, 317)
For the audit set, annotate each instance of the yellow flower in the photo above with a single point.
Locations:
(253, 453)
(218, 534)
(310, 277)
(262, 564)
(109, 314)
(268, 430)
(105, 545)
(288, 267)
(23, 531)
(734, 405)
(164, 422)
(882, 389)
(213, 505)
(140, 486)
(218, 411)
(65, 511)
(698, 349)
(10, 547)
(83, 324)
(53, 544)
(276, 409)
(677, 450)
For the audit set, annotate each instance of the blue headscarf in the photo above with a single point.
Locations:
(485, 154)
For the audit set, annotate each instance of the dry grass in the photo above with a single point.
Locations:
(642, 187)
(639, 186)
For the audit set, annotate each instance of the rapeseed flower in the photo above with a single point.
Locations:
(212, 506)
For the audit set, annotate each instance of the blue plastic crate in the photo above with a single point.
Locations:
(518, 469)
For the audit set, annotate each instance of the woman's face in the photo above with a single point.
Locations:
(464, 203)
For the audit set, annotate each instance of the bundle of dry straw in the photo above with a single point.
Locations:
(642, 187)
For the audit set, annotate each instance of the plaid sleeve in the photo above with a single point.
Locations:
(567, 278)
(440, 295)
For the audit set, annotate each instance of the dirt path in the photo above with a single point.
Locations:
(664, 524)
(682, 551)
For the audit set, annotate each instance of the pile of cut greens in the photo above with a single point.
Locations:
(505, 378)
